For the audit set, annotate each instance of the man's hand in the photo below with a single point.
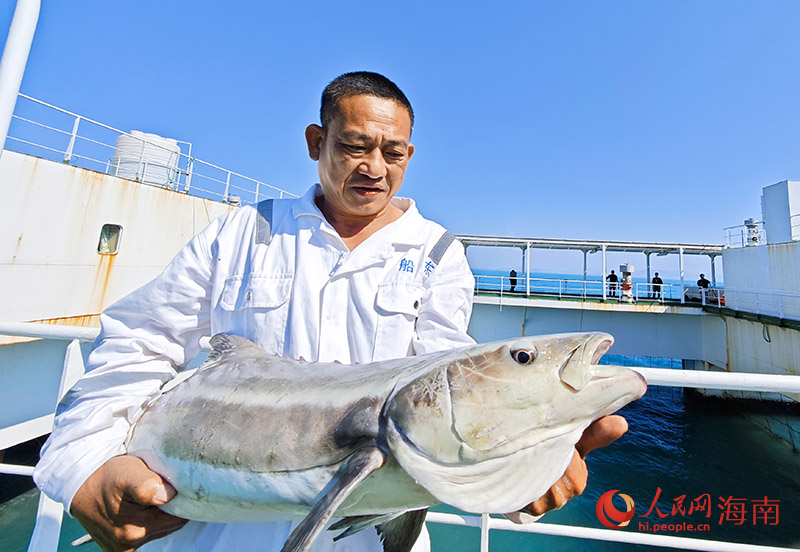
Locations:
(117, 505)
(601, 433)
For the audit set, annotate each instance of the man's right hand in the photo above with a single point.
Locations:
(117, 505)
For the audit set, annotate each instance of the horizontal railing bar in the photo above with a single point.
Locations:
(85, 139)
(42, 125)
(48, 331)
(13, 469)
(647, 539)
(728, 381)
(36, 145)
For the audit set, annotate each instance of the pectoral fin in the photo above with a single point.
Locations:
(400, 534)
(357, 468)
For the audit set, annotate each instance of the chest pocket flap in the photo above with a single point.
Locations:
(399, 298)
(256, 291)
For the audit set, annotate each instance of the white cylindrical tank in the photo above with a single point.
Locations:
(146, 158)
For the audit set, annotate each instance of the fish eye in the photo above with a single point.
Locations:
(523, 356)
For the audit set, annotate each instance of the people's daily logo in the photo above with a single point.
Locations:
(609, 515)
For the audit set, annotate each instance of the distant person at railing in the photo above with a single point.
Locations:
(703, 282)
(657, 282)
(513, 280)
(612, 283)
(347, 273)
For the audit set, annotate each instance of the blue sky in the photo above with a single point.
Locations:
(620, 120)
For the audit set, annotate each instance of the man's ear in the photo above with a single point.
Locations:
(314, 137)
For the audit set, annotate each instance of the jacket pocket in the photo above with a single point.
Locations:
(256, 306)
(255, 291)
(398, 306)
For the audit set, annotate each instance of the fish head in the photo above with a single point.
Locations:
(491, 408)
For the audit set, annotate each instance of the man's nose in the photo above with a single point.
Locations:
(373, 164)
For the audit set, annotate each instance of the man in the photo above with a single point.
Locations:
(612, 283)
(347, 273)
(703, 282)
(512, 279)
(657, 282)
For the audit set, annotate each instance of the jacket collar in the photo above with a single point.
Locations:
(408, 230)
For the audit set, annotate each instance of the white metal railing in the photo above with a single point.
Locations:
(488, 523)
(41, 129)
(751, 233)
(593, 289)
(781, 304)
(49, 515)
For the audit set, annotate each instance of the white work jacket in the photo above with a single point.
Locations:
(291, 285)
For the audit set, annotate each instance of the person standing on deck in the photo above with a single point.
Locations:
(512, 280)
(347, 273)
(657, 282)
(612, 283)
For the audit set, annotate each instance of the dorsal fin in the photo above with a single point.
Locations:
(227, 344)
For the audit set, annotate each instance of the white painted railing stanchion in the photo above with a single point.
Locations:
(71, 146)
(485, 532)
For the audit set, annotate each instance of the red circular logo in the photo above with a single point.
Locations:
(608, 514)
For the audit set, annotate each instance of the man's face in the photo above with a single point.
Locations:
(362, 155)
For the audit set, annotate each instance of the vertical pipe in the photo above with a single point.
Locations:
(603, 277)
(528, 268)
(71, 146)
(680, 267)
(647, 283)
(713, 271)
(585, 253)
(15, 57)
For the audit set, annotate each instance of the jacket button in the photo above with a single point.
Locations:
(416, 304)
(248, 296)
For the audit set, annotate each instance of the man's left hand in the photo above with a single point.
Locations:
(600, 433)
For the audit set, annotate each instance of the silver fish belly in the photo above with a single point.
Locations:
(489, 428)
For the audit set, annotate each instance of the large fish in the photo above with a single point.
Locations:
(489, 428)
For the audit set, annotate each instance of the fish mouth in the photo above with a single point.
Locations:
(576, 370)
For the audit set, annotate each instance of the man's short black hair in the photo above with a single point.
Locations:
(356, 84)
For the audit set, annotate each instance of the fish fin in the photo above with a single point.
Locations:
(356, 524)
(357, 468)
(400, 534)
(360, 422)
(223, 344)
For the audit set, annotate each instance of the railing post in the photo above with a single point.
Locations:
(603, 281)
(258, 185)
(227, 187)
(189, 171)
(484, 532)
(71, 146)
(527, 269)
(140, 173)
(683, 285)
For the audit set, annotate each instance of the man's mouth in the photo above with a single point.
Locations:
(367, 189)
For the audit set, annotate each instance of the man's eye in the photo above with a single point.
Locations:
(394, 155)
(354, 148)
